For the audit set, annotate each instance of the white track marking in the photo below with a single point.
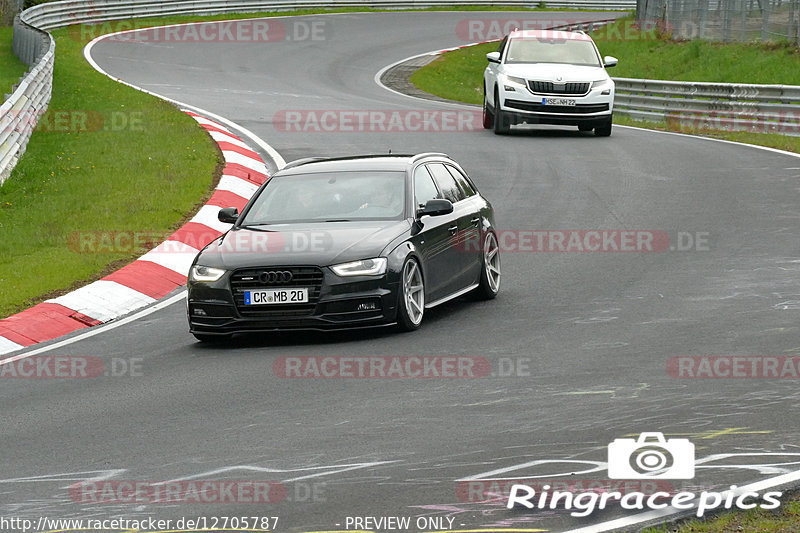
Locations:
(377, 79)
(174, 255)
(7, 346)
(237, 186)
(104, 300)
(207, 215)
(225, 138)
(649, 516)
(245, 161)
(273, 154)
(98, 329)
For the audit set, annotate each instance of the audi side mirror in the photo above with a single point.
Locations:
(228, 215)
(435, 208)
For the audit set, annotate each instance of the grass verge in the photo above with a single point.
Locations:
(11, 68)
(458, 75)
(106, 158)
(785, 519)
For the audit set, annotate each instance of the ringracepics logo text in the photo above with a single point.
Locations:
(649, 457)
(585, 503)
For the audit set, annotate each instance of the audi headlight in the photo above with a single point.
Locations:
(365, 267)
(204, 273)
(511, 81)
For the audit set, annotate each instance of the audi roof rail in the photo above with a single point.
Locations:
(307, 160)
(428, 154)
(303, 161)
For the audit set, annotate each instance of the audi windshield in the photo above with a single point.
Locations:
(329, 197)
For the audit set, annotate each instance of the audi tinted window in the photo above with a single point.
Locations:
(424, 188)
(462, 181)
(330, 196)
(446, 182)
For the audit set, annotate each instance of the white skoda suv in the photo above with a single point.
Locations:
(548, 77)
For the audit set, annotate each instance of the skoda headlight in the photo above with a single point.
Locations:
(605, 85)
(512, 81)
(204, 273)
(365, 267)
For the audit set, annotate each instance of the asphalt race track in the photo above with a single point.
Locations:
(579, 343)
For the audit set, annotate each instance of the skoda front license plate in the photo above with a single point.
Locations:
(276, 296)
(558, 101)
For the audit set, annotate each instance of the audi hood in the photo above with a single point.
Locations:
(320, 244)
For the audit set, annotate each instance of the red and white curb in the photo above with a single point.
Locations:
(156, 273)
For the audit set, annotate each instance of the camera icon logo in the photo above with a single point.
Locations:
(651, 457)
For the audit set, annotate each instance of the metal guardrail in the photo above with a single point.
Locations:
(57, 14)
(20, 113)
(725, 20)
(725, 106)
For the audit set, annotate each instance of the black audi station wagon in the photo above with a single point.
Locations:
(346, 242)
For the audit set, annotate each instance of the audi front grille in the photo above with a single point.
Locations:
(277, 277)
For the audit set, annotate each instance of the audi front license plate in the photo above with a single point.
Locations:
(276, 296)
(558, 101)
